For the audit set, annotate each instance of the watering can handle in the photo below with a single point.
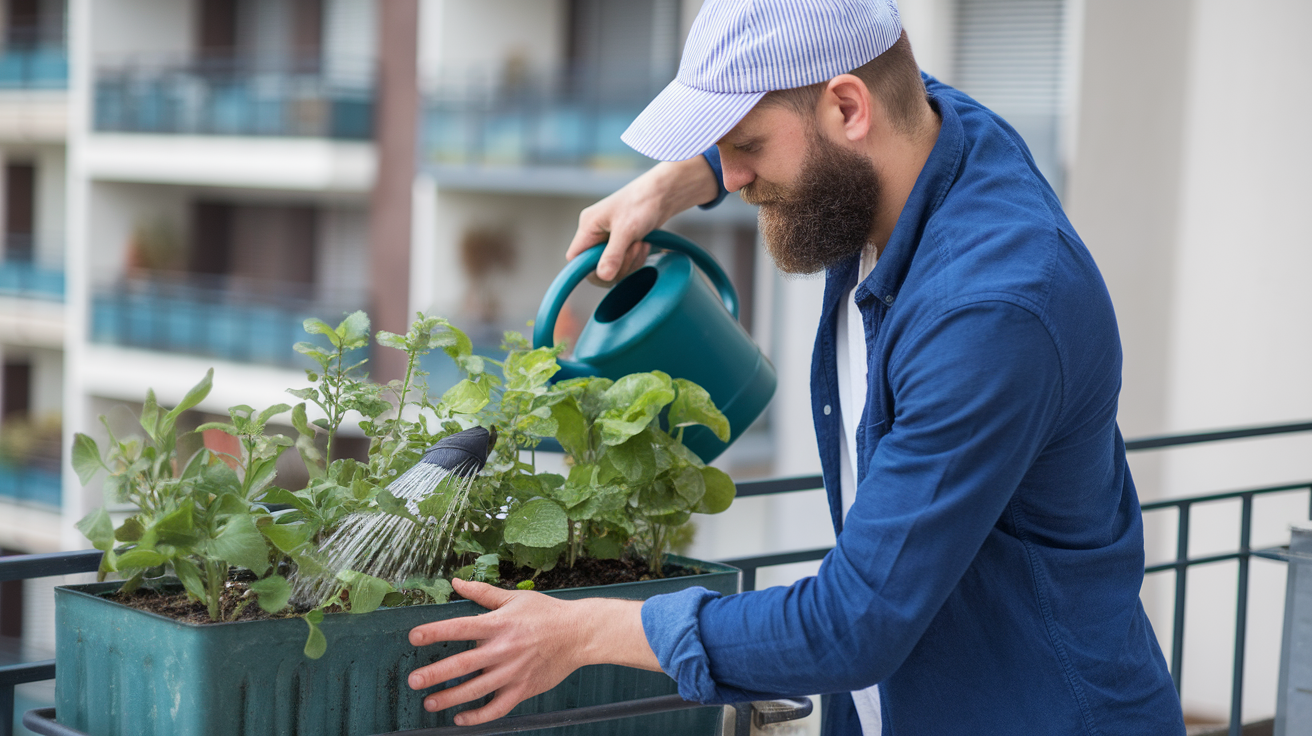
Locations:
(544, 326)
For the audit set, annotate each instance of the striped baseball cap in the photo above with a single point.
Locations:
(738, 50)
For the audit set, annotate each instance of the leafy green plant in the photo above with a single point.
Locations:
(631, 488)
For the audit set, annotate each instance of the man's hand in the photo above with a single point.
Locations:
(639, 207)
(527, 644)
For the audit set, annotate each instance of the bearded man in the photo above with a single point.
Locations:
(964, 386)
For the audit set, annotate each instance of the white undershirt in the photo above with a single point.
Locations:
(850, 355)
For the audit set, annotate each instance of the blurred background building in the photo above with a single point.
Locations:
(185, 181)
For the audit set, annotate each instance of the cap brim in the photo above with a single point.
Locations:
(682, 121)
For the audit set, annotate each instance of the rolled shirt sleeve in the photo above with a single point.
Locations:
(977, 392)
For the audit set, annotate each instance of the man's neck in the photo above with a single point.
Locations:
(898, 170)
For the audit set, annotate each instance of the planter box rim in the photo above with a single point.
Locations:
(97, 591)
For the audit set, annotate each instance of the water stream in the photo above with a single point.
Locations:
(391, 547)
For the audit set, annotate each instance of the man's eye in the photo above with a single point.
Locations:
(747, 147)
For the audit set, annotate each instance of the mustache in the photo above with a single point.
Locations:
(760, 193)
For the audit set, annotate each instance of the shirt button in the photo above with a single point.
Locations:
(888, 299)
(827, 409)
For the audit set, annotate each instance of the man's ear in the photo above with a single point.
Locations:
(846, 108)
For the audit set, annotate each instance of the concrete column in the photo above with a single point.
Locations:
(390, 221)
(1294, 696)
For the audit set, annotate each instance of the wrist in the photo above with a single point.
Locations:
(613, 634)
(685, 184)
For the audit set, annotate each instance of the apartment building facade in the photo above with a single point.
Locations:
(184, 181)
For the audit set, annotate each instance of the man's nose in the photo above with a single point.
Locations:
(736, 176)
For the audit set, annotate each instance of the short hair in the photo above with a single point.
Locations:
(893, 77)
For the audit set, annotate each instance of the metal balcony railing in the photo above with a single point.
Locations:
(35, 566)
(210, 316)
(233, 97)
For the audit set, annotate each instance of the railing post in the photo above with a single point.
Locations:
(1241, 620)
(6, 709)
(1181, 581)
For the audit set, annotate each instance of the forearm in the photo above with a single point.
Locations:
(685, 184)
(611, 633)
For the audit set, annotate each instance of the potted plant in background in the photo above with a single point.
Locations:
(203, 634)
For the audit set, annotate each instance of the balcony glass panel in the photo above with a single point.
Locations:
(44, 67)
(231, 99)
(203, 317)
(30, 279)
(30, 484)
(562, 120)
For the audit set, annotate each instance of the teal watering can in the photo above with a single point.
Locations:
(663, 317)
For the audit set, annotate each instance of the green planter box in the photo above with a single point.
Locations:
(124, 671)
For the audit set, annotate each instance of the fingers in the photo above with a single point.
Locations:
(502, 704)
(471, 689)
(487, 596)
(464, 628)
(448, 669)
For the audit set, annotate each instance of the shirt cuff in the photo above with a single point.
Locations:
(712, 156)
(671, 624)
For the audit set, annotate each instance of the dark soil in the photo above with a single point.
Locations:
(171, 601)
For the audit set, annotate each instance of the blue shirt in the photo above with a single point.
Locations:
(987, 576)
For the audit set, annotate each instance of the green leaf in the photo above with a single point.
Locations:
(196, 395)
(525, 585)
(390, 340)
(97, 527)
(273, 591)
(315, 644)
(178, 527)
(220, 426)
(261, 474)
(390, 504)
(690, 486)
(693, 405)
(538, 558)
(354, 330)
(635, 459)
(538, 523)
(288, 537)
(720, 491)
(139, 557)
(571, 427)
(150, 415)
(607, 547)
(487, 568)
(86, 458)
(130, 531)
(241, 544)
(367, 591)
(271, 412)
(189, 574)
(466, 397)
(631, 404)
(299, 420)
(438, 589)
(319, 327)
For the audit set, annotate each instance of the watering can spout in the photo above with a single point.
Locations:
(463, 453)
(664, 317)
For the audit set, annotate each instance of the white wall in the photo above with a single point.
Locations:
(485, 35)
(51, 182)
(1187, 187)
(149, 29)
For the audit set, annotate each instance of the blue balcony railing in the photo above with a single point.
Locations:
(30, 484)
(44, 67)
(229, 99)
(26, 279)
(231, 324)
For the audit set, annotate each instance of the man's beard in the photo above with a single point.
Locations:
(825, 217)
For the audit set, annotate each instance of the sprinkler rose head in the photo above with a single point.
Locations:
(463, 453)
